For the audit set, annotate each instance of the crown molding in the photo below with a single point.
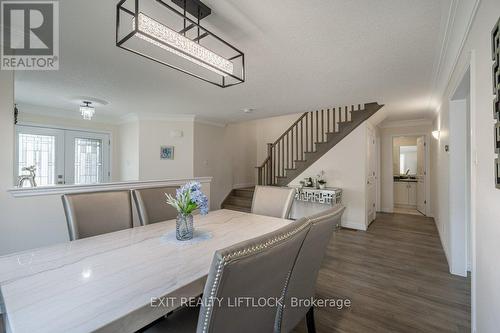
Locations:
(406, 123)
(439, 87)
(134, 117)
(204, 121)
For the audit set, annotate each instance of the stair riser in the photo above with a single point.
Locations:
(243, 193)
(237, 208)
(239, 201)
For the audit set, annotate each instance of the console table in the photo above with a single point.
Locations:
(309, 200)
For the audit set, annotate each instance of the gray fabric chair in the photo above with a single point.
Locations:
(91, 214)
(273, 201)
(152, 206)
(255, 268)
(302, 281)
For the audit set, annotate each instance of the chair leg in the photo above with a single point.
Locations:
(311, 326)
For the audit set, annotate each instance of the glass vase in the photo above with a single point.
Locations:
(184, 227)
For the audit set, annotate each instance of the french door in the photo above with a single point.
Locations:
(62, 156)
(87, 158)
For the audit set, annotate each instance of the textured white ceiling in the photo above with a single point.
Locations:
(300, 55)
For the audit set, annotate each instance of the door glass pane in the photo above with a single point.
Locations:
(38, 150)
(88, 161)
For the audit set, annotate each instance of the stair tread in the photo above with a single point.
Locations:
(250, 189)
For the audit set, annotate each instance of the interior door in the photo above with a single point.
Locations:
(421, 174)
(371, 187)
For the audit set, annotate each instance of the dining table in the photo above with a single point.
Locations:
(112, 282)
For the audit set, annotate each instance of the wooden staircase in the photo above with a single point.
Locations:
(309, 138)
(239, 199)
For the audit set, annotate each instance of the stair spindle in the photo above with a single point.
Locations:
(301, 140)
(279, 158)
(288, 150)
(334, 123)
(283, 167)
(312, 130)
(297, 142)
(317, 126)
(307, 132)
(322, 125)
(328, 120)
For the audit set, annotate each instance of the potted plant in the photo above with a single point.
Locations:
(320, 180)
(188, 198)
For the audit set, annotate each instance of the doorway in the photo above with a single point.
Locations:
(460, 163)
(409, 174)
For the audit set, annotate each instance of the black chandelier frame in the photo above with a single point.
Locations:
(198, 10)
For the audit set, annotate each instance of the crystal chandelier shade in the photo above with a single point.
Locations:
(87, 111)
(159, 31)
(188, 49)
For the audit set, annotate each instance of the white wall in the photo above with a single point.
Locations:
(345, 166)
(156, 133)
(241, 139)
(212, 158)
(269, 130)
(27, 222)
(486, 215)
(386, 160)
(128, 146)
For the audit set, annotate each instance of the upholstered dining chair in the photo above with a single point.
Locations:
(258, 269)
(273, 201)
(152, 206)
(301, 284)
(96, 213)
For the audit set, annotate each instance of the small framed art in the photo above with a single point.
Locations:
(167, 152)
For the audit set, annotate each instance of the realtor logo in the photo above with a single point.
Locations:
(30, 35)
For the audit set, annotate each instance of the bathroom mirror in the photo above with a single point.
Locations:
(408, 160)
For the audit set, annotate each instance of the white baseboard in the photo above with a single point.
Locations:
(353, 225)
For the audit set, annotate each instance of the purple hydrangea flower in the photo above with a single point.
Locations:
(188, 198)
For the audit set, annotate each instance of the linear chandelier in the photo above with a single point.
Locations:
(159, 32)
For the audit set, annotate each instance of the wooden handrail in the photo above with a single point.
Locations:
(290, 128)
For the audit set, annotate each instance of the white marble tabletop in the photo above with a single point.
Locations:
(105, 283)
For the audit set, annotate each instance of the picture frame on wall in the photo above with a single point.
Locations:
(167, 152)
(495, 53)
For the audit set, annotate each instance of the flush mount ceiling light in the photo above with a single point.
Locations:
(87, 111)
(174, 37)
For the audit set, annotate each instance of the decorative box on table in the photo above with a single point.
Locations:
(310, 200)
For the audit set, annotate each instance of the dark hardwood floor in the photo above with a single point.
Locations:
(396, 277)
